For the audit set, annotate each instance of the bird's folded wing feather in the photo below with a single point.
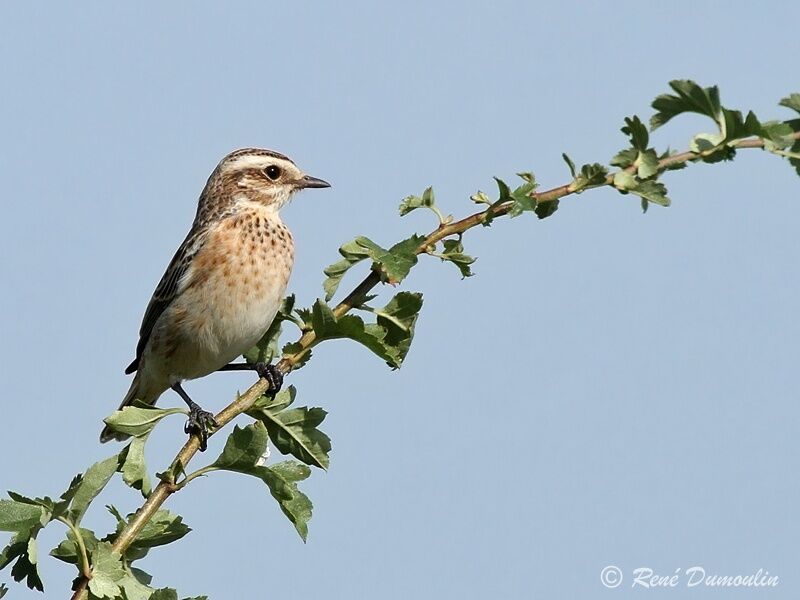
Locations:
(169, 288)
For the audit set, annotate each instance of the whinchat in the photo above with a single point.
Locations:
(224, 285)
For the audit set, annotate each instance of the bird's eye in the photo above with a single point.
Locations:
(272, 172)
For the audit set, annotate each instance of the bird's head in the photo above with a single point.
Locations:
(259, 176)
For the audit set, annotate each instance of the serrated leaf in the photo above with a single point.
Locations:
(480, 197)
(546, 209)
(163, 528)
(24, 568)
(454, 253)
(637, 132)
(689, 97)
(3, 590)
(18, 517)
(138, 419)
(647, 164)
(61, 507)
(282, 481)
(277, 402)
(328, 327)
(625, 158)
(523, 201)
(92, 483)
(136, 584)
(650, 191)
(591, 175)
(396, 262)
(351, 253)
(107, 571)
(398, 319)
(133, 466)
(295, 432)
(68, 552)
(266, 350)
(791, 101)
(243, 448)
(164, 594)
(410, 203)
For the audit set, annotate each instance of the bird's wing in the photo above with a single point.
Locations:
(167, 290)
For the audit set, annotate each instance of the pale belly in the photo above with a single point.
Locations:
(231, 297)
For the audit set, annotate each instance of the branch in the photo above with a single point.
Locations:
(355, 298)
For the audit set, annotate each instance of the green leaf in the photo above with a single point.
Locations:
(398, 319)
(295, 432)
(480, 197)
(68, 551)
(164, 594)
(689, 97)
(133, 466)
(647, 164)
(25, 567)
(266, 350)
(328, 327)
(243, 448)
(164, 528)
(546, 209)
(107, 572)
(25, 517)
(352, 253)
(18, 517)
(139, 419)
(396, 262)
(522, 197)
(410, 203)
(277, 402)
(650, 191)
(791, 101)
(638, 155)
(136, 584)
(3, 590)
(295, 348)
(591, 175)
(637, 132)
(61, 507)
(625, 158)
(454, 252)
(392, 264)
(282, 481)
(570, 164)
(93, 482)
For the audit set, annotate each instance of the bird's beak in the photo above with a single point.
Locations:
(312, 182)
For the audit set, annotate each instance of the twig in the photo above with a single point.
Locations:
(308, 340)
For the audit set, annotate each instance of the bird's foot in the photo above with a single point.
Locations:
(200, 422)
(272, 374)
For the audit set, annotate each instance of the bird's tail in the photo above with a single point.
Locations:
(139, 392)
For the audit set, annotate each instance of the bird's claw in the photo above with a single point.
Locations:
(199, 422)
(273, 376)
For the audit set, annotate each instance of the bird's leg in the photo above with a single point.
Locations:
(199, 420)
(268, 371)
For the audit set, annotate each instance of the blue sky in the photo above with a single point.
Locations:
(610, 388)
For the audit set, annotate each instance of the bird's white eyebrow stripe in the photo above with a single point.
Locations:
(253, 161)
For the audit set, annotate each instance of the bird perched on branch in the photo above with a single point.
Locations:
(224, 285)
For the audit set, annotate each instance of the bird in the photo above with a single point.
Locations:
(224, 285)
